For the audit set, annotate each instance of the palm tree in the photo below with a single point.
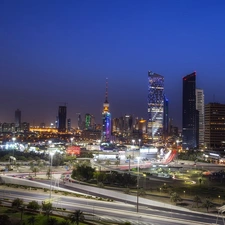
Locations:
(127, 191)
(197, 200)
(76, 217)
(17, 203)
(35, 170)
(48, 173)
(52, 221)
(117, 163)
(47, 208)
(207, 204)
(31, 220)
(141, 192)
(107, 162)
(174, 197)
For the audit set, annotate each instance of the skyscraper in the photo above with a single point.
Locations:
(106, 119)
(62, 119)
(166, 118)
(189, 123)
(17, 119)
(200, 106)
(155, 105)
(215, 126)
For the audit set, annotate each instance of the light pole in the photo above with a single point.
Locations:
(13, 144)
(184, 194)
(50, 171)
(138, 184)
(139, 140)
(71, 139)
(133, 147)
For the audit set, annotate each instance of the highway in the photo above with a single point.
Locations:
(148, 215)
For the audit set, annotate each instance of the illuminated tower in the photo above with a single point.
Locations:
(155, 105)
(17, 119)
(62, 119)
(106, 118)
(189, 120)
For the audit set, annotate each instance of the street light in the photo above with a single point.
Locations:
(13, 144)
(139, 140)
(51, 156)
(138, 184)
(184, 194)
(219, 198)
(71, 141)
(133, 148)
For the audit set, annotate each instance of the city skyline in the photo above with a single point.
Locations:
(62, 52)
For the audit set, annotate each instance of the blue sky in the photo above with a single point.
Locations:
(62, 51)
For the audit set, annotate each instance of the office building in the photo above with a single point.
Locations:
(215, 126)
(62, 119)
(166, 118)
(189, 114)
(106, 119)
(200, 107)
(17, 119)
(155, 106)
(69, 125)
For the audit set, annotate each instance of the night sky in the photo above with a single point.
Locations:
(53, 52)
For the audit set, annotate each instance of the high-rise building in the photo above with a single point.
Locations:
(17, 119)
(200, 106)
(189, 114)
(166, 118)
(155, 106)
(69, 125)
(62, 119)
(88, 121)
(215, 126)
(106, 119)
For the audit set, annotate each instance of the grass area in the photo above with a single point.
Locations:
(15, 217)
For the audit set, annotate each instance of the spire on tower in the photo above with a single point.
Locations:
(106, 91)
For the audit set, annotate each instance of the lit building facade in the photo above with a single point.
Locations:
(62, 118)
(155, 106)
(166, 117)
(106, 119)
(200, 106)
(215, 126)
(189, 114)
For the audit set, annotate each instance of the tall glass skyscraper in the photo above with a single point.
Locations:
(106, 119)
(200, 106)
(155, 106)
(62, 119)
(189, 113)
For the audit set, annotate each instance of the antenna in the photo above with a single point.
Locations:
(106, 91)
(214, 98)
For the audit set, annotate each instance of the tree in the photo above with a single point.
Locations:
(76, 217)
(33, 205)
(52, 221)
(4, 220)
(197, 200)
(35, 170)
(107, 162)
(31, 220)
(48, 173)
(117, 163)
(174, 197)
(127, 191)
(47, 208)
(141, 192)
(17, 203)
(207, 204)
